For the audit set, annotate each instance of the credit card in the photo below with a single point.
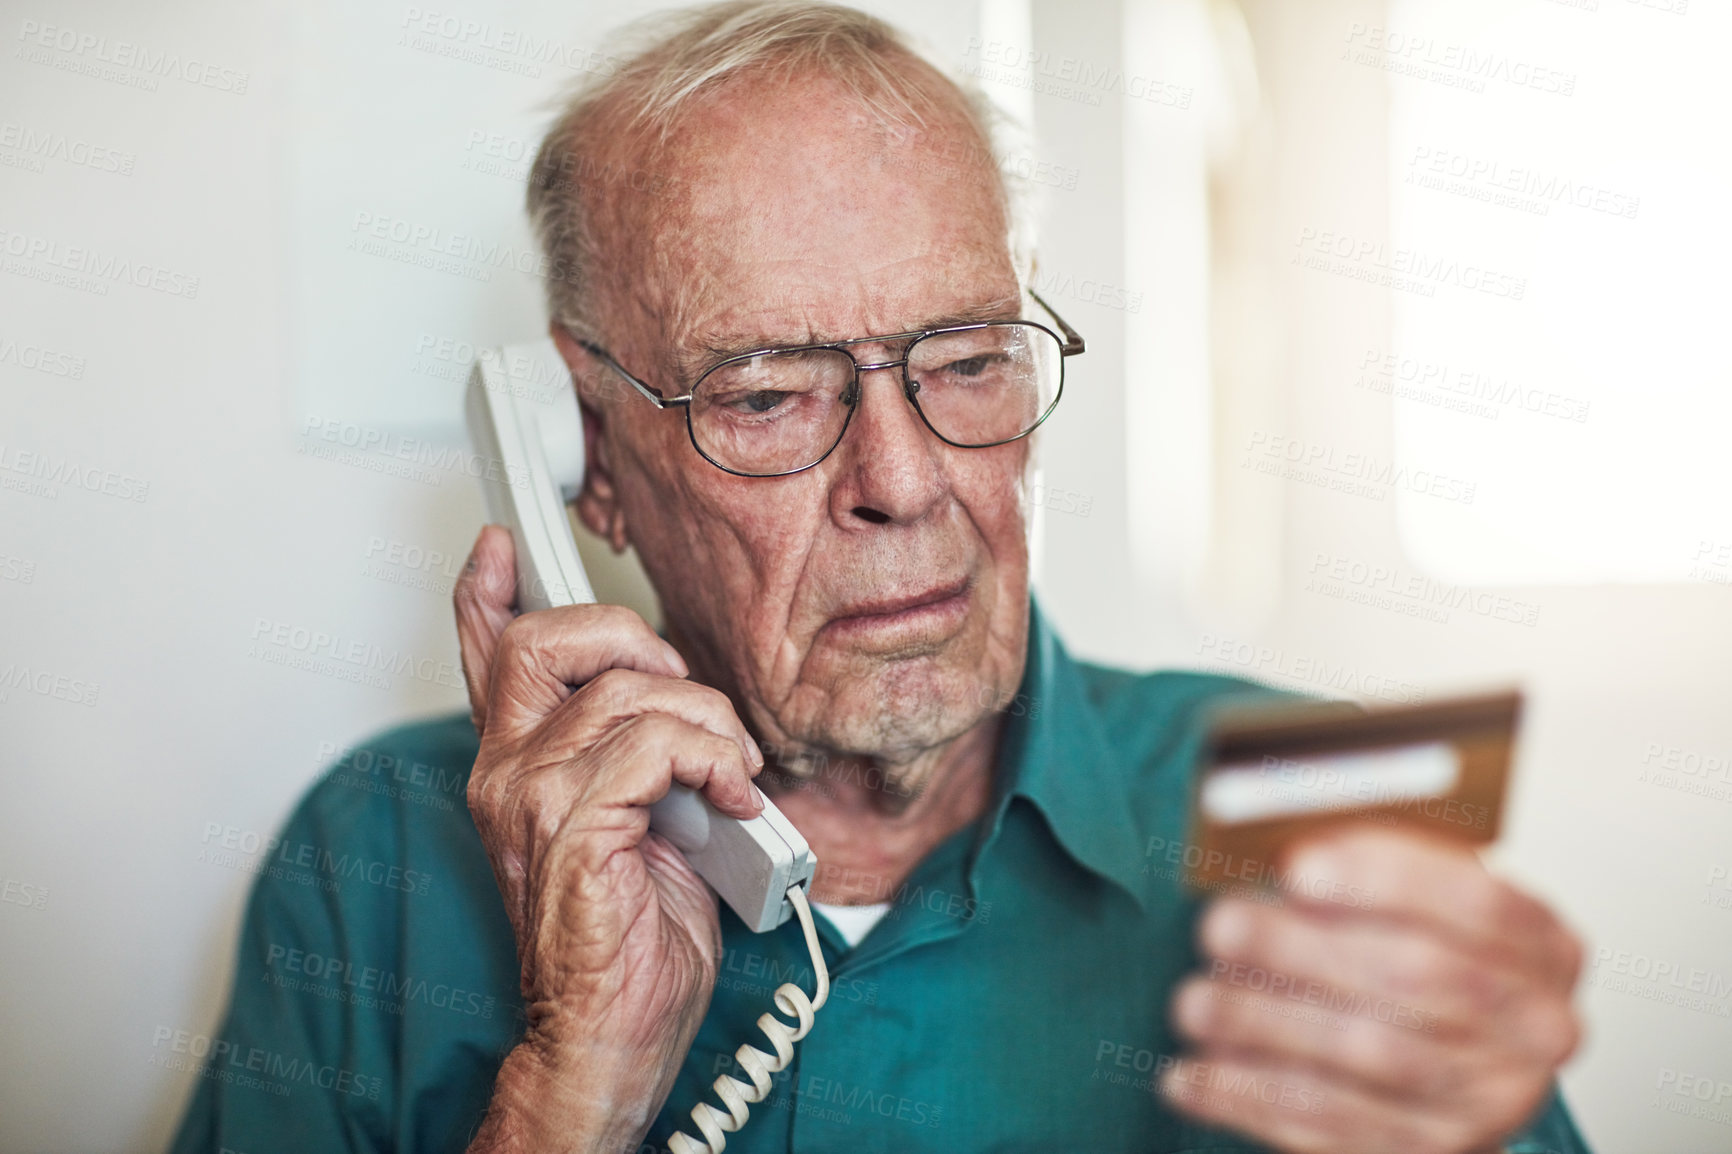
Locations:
(1273, 775)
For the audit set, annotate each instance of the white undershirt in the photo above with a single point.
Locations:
(852, 922)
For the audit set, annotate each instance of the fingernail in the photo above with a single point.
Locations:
(1191, 1010)
(1309, 865)
(681, 669)
(757, 754)
(1227, 928)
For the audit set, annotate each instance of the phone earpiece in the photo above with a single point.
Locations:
(561, 424)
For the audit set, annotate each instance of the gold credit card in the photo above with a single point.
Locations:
(1272, 775)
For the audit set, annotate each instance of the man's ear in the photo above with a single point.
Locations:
(598, 505)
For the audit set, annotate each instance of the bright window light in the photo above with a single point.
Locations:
(1561, 336)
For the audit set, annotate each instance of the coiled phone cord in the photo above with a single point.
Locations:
(735, 1094)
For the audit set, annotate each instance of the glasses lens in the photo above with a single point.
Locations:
(773, 413)
(986, 385)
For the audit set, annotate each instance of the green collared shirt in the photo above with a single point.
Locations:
(1013, 999)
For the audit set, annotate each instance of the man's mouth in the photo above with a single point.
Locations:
(936, 611)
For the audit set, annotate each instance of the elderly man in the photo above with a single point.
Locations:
(837, 532)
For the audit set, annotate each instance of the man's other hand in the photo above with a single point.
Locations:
(1425, 1009)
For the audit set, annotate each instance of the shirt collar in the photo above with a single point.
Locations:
(1056, 754)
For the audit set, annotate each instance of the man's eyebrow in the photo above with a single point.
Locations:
(706, 349)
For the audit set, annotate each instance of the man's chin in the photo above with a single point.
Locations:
(897, 711)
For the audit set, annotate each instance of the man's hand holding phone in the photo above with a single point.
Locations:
(617, 935)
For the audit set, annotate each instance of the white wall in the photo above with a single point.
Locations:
(208, 398)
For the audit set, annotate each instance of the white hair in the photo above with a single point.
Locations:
(657, 65)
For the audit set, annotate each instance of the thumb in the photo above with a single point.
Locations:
(485, 599)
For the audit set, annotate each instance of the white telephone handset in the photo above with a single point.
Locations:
(530, 441)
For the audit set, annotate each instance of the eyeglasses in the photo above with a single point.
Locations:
(777, 411)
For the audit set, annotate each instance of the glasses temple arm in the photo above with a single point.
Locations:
(606, 358)
(1073, 342)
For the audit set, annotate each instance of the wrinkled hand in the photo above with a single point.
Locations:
(617, 936)
(1429, 1016)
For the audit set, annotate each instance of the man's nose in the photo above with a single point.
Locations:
(892, 467)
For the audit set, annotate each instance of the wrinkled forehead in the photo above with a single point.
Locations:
(794, 212)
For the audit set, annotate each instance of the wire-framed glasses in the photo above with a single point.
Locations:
(776, 411)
